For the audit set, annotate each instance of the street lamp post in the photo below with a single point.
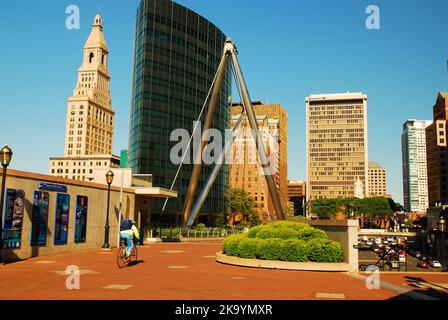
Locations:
(109, 179)
(5, 160)
(442, 230)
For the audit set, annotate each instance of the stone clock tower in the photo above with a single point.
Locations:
(90, 118)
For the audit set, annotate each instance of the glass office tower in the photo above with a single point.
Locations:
(176, 55)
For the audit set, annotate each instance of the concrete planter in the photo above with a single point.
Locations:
(283, 265)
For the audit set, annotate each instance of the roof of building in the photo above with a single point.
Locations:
(337, 96)
(96, 37)
(374, 164)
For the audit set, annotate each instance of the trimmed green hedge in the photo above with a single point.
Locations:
(231, 244)
(269, 249)
(324, 250)
(248, 248)
(284, 241)
(294, 250)
(254, 231)
(308, 234)
(277, 233)
(290, 225)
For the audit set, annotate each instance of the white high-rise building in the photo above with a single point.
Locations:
(90, 119)
(415, 174)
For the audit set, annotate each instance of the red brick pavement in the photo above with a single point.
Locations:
(180, 271)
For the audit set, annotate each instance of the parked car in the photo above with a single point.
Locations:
(436, 264)
(365, 239)
(423, 265)
(369, 243)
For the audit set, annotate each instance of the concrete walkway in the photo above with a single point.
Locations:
(188, 271)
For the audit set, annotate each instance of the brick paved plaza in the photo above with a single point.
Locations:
(188, 271)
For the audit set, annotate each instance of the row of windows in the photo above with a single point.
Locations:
(182, 28)
(337, 140)
(54, 171)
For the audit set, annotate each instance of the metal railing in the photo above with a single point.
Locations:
(177, 232)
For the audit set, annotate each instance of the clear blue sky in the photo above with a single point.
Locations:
(288, 49)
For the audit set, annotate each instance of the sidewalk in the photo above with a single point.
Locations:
(183, 271)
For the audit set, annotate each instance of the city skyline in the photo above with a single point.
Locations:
(414, 73)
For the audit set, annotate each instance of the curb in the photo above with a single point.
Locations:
(178, 240)
(282, 265)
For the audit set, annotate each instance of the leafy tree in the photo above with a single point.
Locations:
(368, 211)
(254, 220)
(326, 208)
(240, 202)
(220, 221)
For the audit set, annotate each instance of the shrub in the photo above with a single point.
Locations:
(253, 231)
(309, 233)
(297, 219)
(277, 233)
(285, 241)
(291, 225)
(294, 250)
(248, 248)
(231, 244)
(200, 227)
(269, 249)
(324, 250)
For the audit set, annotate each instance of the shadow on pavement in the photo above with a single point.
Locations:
(433, 290)
(135, 263)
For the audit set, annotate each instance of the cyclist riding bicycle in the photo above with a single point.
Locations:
(128, 231)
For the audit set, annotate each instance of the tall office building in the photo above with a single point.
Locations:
(377, 180)
(246, 171)
(437, 152)
(297, 195)
(176, 56)
(90, 119)
(415, 173)
(337, 147)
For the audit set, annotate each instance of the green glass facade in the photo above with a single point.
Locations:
(124, 159)
(176, 55)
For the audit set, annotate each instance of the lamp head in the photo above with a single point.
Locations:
(109, 177)
(442, 224)
(5, 156)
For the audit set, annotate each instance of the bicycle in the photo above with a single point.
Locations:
(123, 260)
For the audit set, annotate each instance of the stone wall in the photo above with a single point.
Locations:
(346, 233)
(96, 216)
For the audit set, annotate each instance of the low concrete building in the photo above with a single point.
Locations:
(47, 215)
